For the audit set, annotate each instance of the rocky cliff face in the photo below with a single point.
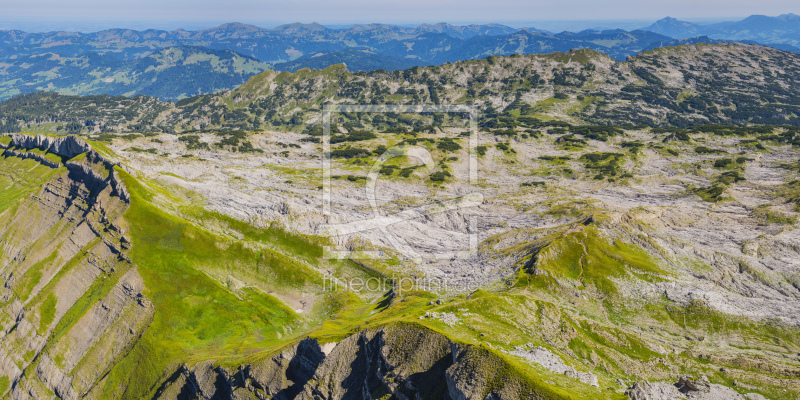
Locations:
(66, 146)
(71, 303)
(92, 169)
(399, 362)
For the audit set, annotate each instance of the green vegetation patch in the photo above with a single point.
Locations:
(29, 176)
(193, 142)
(729, 178)
(33, 275)
(439, 176)
(584, 255)
(765, 216)
(597, 132)
(572, 208)
(728, 163)
(235, 141)
(571, 141)
(354, 136)
(198, 317)
(678, 135)
(408, 171)
(47, 312)
(349, 152)
(633, 147)
(5, 383)
(505, 147)
(448, 145)
(107, 137)
(707, 150)
(795, 166)
(556, 159)
(712, 193)
(603, 165)
(728, 130)
(140, 150)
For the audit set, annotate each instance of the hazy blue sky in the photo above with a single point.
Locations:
(175, 13)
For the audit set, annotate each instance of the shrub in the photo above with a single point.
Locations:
(439, 176)
(571, 140)
(354, 136)
(388, 169)
(448, 145)
(406, 172)
(723, 163)
(193, 142)
(349, 152)
(706, 150)
(532, 184)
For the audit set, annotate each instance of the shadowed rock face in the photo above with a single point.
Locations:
(67, 146)
(402, 362)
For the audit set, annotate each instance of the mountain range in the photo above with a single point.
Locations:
(783, 29)
(687, 85)
(130, 62)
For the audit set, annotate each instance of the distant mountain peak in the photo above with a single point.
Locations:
(789, 16)
(299, 26)
(674, 28)
(672, 21)
(236, 26)
(466, 31)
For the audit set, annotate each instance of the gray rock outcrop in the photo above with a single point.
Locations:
(554, 363)
(686, 388)
(403, 362)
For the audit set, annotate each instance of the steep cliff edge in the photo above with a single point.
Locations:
(71, 302)
(395, 361)
(80, 158)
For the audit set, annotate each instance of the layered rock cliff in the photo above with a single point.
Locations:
(71, 302)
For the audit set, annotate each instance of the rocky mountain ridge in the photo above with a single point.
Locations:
(686, 85)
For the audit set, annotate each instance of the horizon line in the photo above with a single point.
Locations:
(199, 24)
